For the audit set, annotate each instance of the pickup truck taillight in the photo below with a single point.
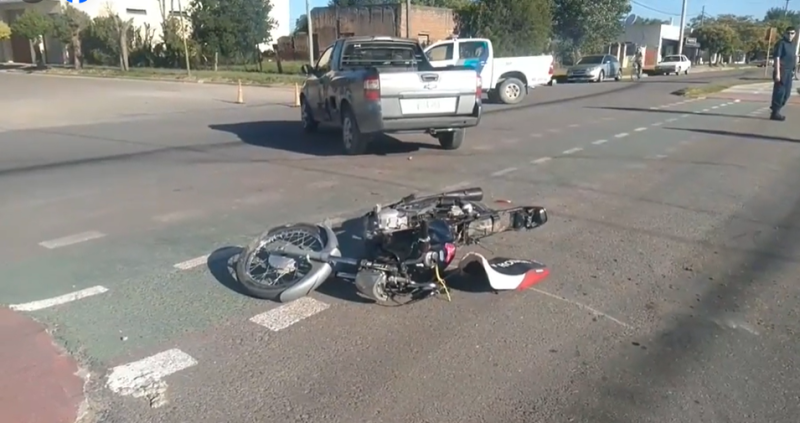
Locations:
(551, 71)
(372, 88)
(479, 87)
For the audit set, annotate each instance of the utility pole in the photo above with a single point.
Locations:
(683, 27)
(310, 36)
(703, 16)
(786, 8)
(408, 18)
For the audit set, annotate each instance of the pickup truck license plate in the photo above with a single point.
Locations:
(428, 106)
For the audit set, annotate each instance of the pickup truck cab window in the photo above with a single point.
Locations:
(324, 61)
(442, 52)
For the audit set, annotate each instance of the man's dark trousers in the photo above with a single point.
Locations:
(781, 91)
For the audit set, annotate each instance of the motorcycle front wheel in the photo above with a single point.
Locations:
(278, 277)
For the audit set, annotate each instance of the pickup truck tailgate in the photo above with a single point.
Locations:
(426, 94)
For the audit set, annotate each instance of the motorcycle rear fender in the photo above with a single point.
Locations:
(508, 274)
(319, 273)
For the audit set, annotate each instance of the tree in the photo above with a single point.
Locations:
(777, 15)
(301, 25)
(33, 25)
(589, 24)
(651, 21)
(232, 27)
(451, 4)
(516, 27)
(717, 38)
(5, 31)
(122, 29)
(67, 28)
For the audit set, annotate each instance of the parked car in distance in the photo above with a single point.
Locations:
(505, 79)
(676, 64)
(595, 68)
(371, 85)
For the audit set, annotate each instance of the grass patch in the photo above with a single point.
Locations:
(205, 76)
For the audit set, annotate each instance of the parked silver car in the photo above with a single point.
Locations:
(595, 68)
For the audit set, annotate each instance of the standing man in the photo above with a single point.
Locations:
(785, 62)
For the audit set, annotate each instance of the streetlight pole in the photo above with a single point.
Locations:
(310, 36)
(683, 27)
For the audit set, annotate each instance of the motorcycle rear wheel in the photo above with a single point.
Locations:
(270, 282)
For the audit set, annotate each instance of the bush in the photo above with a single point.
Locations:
(5, 31)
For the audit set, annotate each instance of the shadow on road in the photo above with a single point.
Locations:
(736, 134)
(289, 136)
(676, 112)
(635, 382)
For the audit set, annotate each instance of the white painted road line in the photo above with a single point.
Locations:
(622, 135)
(541, 160)
(598, 142)
(190, 264)
(574, 125)
(536, 135)
(737, 101)
(640, 129)
(686, 115)
(145, 378)
(72, 239)
(504, 171)
(178, 216)
(286, 315)
(657, 124)
(63, 299)
(572, 150)
(583, 307)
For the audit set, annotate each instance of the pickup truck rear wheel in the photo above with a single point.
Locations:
(353, 141)
(451, 140)
(511, 91)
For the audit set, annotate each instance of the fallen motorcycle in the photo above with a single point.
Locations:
(407, 246)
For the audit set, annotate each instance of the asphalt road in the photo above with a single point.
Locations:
(672, 244)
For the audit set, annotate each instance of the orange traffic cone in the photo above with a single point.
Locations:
(296, 95)
(239, 94)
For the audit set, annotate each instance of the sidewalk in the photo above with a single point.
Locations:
(40, 383)
(759, 92)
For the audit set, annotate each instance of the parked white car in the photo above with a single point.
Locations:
(506, 79)
(676, 64)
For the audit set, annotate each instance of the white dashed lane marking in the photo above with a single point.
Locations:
(62, 299)
(599, 142)
(72, 239)
(504, 171)
(572, 150)
(145, 378)
(286, 315)
(541, 160)
(622, 135)
(190, 264)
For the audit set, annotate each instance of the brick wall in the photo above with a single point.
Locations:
(427, 24)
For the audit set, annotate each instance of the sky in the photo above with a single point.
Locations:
(661, 9)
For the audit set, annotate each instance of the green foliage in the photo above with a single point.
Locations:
(516, 27)
(717, 38)
(651, 21)
(99, 42)
(32, 24)
(68, 25)
(231, 27)
(5, 31)
(301, 25)
(781, 19)
(589, 24)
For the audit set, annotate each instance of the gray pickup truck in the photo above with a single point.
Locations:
(371, 85)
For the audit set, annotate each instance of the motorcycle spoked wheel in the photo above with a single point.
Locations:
(267, 276)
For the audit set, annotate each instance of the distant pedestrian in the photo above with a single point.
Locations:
(785, 61)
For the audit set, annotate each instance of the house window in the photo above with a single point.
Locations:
(140, 12)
